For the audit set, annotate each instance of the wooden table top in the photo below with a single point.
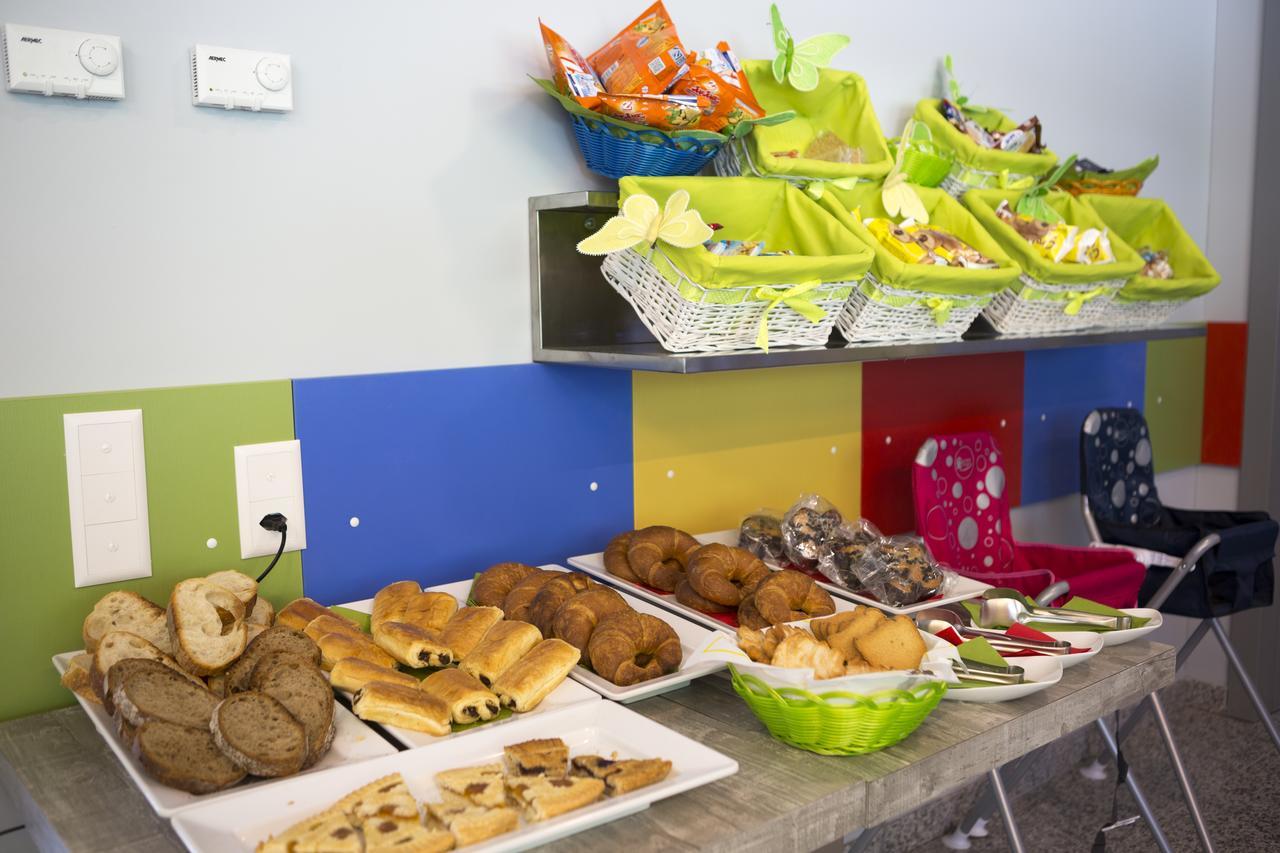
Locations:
(75, 794)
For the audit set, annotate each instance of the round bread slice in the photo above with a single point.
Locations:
(206, 626)
(115, 647)
(121, 671)
(274, 639)
(259, 735)
(299, 686)
(241, 585)
(184, 758)
(153, 694)
(126, 611)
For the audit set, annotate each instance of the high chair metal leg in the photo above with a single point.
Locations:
(1246, 681)
(1157, 707)
(1006, 812)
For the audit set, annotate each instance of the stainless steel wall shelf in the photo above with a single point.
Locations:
(579, 319)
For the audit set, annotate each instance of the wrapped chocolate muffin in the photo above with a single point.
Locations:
(806, 526)
(761, 534)
(899, 571)
(846, 548)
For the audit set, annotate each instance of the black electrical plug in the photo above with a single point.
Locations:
(276, 523)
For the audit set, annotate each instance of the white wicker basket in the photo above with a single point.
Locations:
(865, 318)
(1013, 314)
(1138, 313)
(720, 318)
(963, 178)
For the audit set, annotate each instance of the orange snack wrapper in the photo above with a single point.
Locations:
(661, 112)
(720, 69)
(571, 73)
(646, 58)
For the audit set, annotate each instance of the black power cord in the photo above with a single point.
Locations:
(279, 524)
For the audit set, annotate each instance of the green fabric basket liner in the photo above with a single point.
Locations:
(1150, 222)
(944, 212)
(1076, 603)
(983, 204)
(1140, 172)
(840, 104)
(740, 129)
(754, 209)
(970, 153)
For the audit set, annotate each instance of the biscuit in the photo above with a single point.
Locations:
(895, 643)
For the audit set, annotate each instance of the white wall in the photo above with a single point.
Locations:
(382, 225)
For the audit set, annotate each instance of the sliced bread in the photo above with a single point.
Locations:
(298, 685)
(262, 614)
(153, 694)
(244, 587)
(76, 678)
(274, 639)
(259, 734)
(115, 647)
(126, 611)
(121, 671)
(184, 758)
(206, 626)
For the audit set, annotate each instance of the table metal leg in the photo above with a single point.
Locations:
(860, 840)
(1263, 714)
(1162, 722)
(1006, 812)
(1138, 796)
(975, 817)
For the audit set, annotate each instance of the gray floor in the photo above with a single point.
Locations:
(1232, 763)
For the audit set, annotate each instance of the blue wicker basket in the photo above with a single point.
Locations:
(615, 151)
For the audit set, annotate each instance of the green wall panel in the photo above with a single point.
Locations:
(1174, 405)
(189, 434)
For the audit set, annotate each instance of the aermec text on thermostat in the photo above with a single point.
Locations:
(44, 61)
(234, 79)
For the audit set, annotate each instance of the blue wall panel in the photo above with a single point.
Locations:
(450, 471)
(1060, 387)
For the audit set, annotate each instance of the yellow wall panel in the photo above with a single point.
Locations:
(710, 448)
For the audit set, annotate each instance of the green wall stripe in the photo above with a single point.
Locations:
(1174, 404)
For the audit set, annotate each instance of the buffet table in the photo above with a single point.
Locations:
(74, 795)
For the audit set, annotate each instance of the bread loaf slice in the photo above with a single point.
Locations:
(184, 758)
(274, 639)
(262, 613)
(126, 611)
(76, 678)
(152, 694)
(259, 735)
(206, 626)
(305, 693)
(241, 585)
(115, 647)
(122, 670)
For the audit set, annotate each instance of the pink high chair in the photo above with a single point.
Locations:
(963, 515)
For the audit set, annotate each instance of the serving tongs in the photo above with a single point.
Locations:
(1004, 607)
(984, 673)
(936, 619)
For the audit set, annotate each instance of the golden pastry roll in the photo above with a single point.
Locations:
(530, 679)
(430, 611)
(390, 602)
(327, 623)
(469, 701)
(414, 646)
(351, 674)
(299, 613)
(337, 647)
(406, 707)
(502, 646)
(466, 628)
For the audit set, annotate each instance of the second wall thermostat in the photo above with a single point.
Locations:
(234, 79)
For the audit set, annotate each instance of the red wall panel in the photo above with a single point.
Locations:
(904, 402)
(1225, 349)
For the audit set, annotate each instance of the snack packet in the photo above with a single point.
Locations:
(716, 75)
(1092, 246)
(761, 534)
(841, 555)
(1157, 263)
(807, 525)
(571, 73)
(662, 112)
(646, 58)
(899, 570)
(919, 244)
(1052, 241)
(830, 147)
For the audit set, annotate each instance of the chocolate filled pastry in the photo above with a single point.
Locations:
(553, 595)
(530, 679)
(331, 624)
(492, 585)
(542, 757)
(787, 596)
(628, 648)
(517, 603)
(724, 575)
(659, 555)
(503, 645)
(353, 673)
(686, 595)
(578, 617)
(469, 701)
(761, 534)
(430, 611)
(390, 601)
(337, 647)
(414, 646)
(615, 557)
(466, 628)
(806, 526)
(406, 707)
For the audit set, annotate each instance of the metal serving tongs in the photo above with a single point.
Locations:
(957, 618)
(1004, 607)
(967, 670)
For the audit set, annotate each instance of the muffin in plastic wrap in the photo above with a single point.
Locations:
(841, 554)
(761, 534)
(807, 525)
(900, 571)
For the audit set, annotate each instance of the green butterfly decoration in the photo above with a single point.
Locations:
(1033, 202)
(960, 99)
(798, 64)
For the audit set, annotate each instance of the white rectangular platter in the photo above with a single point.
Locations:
(353, 742)
(692, 636)
(239, 823)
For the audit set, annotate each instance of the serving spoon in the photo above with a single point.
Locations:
(1004, 607)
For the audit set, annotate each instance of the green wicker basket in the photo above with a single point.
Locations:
(838, 723)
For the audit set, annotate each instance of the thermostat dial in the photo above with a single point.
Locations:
(98, 57)
(272, 74)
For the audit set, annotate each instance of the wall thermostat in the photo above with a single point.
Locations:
(44, 61)
(234, 79)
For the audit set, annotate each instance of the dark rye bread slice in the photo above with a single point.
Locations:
(259, 734)
(120, 672)
(184, 758)
(298, 685)
(274, 639)
(153, 694)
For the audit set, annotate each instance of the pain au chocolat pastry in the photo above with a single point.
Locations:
(503, 645)
(535, 675)
(464, 631)
(338, 647)
(351, 674)
(469, 701)
(492, 585)
(414, 646)
(406, 707)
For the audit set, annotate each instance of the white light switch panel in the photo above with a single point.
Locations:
(44, 61)
(269, 479)
(107, 496)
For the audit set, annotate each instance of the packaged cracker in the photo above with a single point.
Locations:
(571, 73)
(661, 112)
(646, 58)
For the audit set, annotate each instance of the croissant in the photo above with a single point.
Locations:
(659, 555)
(615, 557)
(517, 603)
(493, 584)
(578, 617)
(629, 647)
(788, 595)
(553, 595)
(724, 575)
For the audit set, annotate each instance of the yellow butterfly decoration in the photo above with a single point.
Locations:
(899, 198)
(640, 221)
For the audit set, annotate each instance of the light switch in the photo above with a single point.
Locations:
(269, 479)
(107, 496)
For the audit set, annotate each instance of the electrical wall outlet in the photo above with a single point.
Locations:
(107, 496)
(269, 479)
